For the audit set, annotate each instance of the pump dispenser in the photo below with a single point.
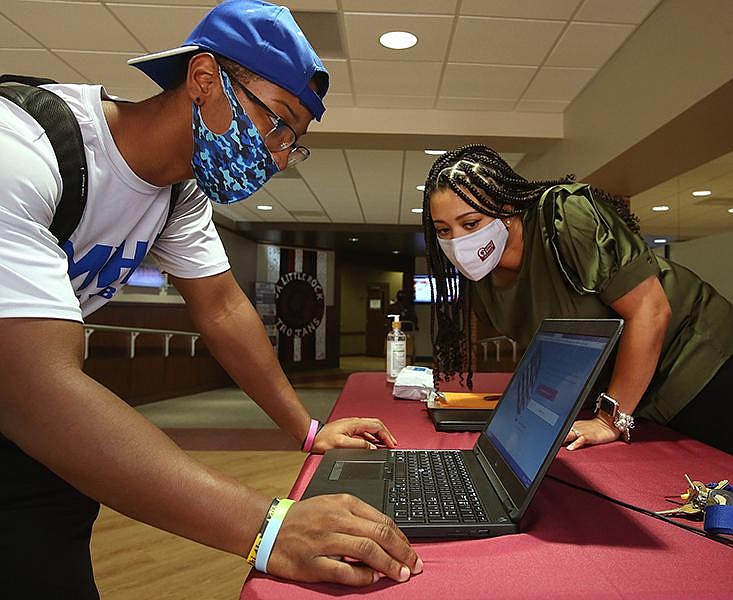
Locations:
(396, 349)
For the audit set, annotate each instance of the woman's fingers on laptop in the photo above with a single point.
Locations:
(319, 530)
(353, 432)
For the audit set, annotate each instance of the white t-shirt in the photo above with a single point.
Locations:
(121, 220)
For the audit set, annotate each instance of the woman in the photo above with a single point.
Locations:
(525, 250)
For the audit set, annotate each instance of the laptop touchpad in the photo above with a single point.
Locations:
(362, 470)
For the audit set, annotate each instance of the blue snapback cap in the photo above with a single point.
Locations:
(260, 36)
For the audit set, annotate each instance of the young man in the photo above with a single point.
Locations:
(237, 96)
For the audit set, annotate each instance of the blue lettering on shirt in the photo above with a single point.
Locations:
(101, 261)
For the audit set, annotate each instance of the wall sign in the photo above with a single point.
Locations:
(300, 303)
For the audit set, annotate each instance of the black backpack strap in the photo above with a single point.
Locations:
(62, 129)
(175, 192)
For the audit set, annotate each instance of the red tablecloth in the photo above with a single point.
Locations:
(574, 545)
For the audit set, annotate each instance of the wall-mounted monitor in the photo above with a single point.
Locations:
(147, 276)
(421, 285)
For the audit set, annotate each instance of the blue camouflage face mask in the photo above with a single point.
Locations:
(230, 166)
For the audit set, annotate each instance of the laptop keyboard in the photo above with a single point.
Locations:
(434, 487)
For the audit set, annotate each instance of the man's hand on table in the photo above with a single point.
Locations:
(318, 532)
(353, 432)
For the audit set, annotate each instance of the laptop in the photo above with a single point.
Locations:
(485, 491)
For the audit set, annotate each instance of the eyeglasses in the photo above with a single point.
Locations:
(282, 136)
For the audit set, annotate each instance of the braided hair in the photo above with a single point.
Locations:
(484, 181)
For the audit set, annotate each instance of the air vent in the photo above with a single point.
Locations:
(322, 31)
(307, 213)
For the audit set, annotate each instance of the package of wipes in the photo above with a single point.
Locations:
(414, 383)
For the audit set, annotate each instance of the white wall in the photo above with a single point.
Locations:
(711, 258)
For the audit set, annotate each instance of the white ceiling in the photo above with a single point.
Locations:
(517, 62)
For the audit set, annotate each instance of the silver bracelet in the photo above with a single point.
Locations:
(624, 423)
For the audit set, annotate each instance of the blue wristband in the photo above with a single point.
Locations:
(270, 534)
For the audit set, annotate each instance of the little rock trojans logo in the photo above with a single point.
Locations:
(486, 251)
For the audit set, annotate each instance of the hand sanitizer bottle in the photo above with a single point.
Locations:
(396, 349)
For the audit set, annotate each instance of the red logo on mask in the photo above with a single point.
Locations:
(486, 251)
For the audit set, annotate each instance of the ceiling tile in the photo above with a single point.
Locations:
(311, 5)
(544, 106)
(385, 101)
(327, 174)
(363, 31)
(554, 83)
(417, 167)
(339, 100)
(424, 7)
(588, 44)
(618, 11)
(66, 25)
(107, 68)
(528, 9)
(378, 178)
(339, 80)
(478, 104)
(11, 36)
(159, 27)
(387, 77)
(236, 212)
(134, 94)
(293, 194)
(503, 41)
(169, 3)
(482, 81)
(41, 63)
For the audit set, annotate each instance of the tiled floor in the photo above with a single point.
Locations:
(227, 419)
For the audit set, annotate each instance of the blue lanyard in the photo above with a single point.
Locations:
(719, 517)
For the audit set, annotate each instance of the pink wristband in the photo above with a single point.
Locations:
(311, 437)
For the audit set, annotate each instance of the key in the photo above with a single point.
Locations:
(685, 510)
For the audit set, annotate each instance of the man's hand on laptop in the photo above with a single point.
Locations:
(340, 539)
(355, 433)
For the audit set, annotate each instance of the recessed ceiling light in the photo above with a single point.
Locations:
(730, 210)
(395, 251)
(661, 208)
(660, 241)
(435, 152)
(420, 188)
(353, 239)
(418, 211)
(398, 40)
(702, 193)
(264, 207)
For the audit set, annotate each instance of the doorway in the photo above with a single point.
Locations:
(377, 300)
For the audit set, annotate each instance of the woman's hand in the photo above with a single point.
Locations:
(354, 432)
(595, 431)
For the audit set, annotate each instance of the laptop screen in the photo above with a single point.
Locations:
(543, 392)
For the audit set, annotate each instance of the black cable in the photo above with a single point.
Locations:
(712, 536)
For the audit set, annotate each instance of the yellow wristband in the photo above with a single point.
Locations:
(258, 538)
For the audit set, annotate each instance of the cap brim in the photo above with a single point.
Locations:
(165, 68)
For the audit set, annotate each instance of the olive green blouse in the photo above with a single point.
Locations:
(579, 257)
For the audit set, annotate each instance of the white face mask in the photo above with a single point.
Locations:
(477, 254)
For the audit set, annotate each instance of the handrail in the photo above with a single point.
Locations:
(497, 342)
(90, 328)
